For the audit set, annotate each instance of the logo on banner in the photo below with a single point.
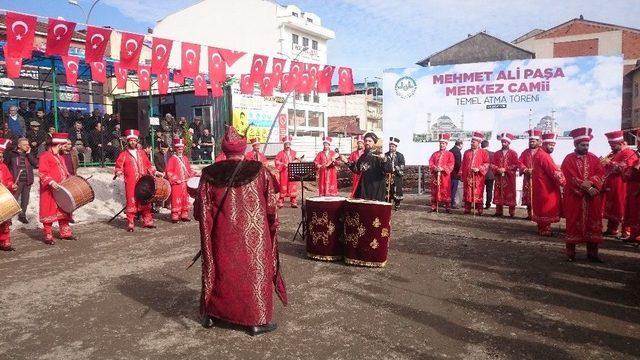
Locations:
(405, 87)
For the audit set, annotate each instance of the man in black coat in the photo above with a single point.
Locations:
(21, 163)
(372, 168)
(455, 174)
(397, 164)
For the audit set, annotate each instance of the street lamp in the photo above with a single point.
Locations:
(87, 15)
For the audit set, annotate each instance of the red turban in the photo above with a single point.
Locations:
(233, 143)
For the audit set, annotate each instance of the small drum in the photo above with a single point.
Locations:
(324, 227)
(152, 189)
(367, 230)
(73, 193)
(192, 186)
(9, 207)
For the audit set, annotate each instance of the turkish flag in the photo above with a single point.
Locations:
(289, 82)
(258, 68)
(216, 89)
(97, 39)
(178, 78)
(200, 85)
(345, 81)
(121, 76)
(305, 85)
(21, 30)
(98, 71)
(217, 66)
(144, 77)
(190, 60)
(324, 79)
(230, 56)
(71, 68)
(130, 48)
(266, 85)
(59, 33)
(296, 68)
(13, 65)
(313, 70)
(160, 51)
(277, 68)
(163, 82)
(246, 87)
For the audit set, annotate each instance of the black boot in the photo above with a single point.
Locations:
(208, 322)
(262, 329)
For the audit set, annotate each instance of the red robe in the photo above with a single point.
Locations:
(283, 158)
(327, 176)
(632, 209)
(220, 157)
(474, 182)
(504, 193)
(355, 178)
(178, 171)
(240, 261)
(615, 188)
(52, 169)
(584, 212)
(526, 162)
(6, 179)
(133, 170)
(547, 181)
(251, 155)
(441, 191)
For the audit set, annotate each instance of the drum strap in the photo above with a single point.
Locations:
(182, 164)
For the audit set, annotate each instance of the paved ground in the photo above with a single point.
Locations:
(455, 287)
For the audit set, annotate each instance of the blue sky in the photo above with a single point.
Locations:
(372, 35)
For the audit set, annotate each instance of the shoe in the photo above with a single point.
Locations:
(497, 215)
(185, 219)
(594, 259)
(71, 237)
(257, 330)
(448, 211)
(174, 221)
(208, 322)
(295, 206)
(129, 229)
(610, 233)
(7, 248)
(49, 242)
(23, 219)
(526, 218)
(571, 259)
(151, 226)
(487, 206)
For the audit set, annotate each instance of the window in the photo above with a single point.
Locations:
(314, 45)
(310, 20)
(316, 98)
(294, 38)
(297, 96)
(294, 14)
(305, 41)
(298, 120)
(316, 119)
(306, 97)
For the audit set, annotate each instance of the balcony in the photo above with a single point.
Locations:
(303, 25)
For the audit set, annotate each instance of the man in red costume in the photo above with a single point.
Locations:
(505, 164)
(475, 164)
(283, 158)
(582, 198)
(178, 173)
(326, 162)
(255, 154)
(631, 177)
(526, 168)
(615, 189)
(353, 158)
(134, 163)
(52, 172)
(441, 165)
(6, 179)
(547, 181)
(237, 211)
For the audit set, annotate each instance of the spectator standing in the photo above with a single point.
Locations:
(23, 110)
(101, 144)
(70, 156)
(15, 123)
(455, 174)
(22, 162)
(206, 145)
(489, 178)
(80, 141)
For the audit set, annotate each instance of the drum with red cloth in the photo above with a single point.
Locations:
(367, 229)
(324, 227)
(73, 193)
(152, 189)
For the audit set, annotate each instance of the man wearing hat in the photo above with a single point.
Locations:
(255, 154)
(615, 189)
(475, 164)
(631, 177)
(505, 163)
(53, 171)
(6, 179)
(526, 168)
(582, 196)
(326, 162)
(237, 207)
(372, 167)
(396, 159)
(22, 165)
(283, 158)
(134, 163)
(547, 181)
(178, 173)
(441, 165)
(353, 158)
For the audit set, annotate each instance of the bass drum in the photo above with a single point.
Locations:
(324, 227)
(152, 189)
(367, 231)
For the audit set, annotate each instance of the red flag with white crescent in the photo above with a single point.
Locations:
(97, 39)
(230, 57)
(130, 48)
(98, 71)
(144, 77)
(190, 60)
(289, 82)
(21, 30)
(71, 67)
(313, 70)
(200, 85)
(13, 65)
(277, 68)
(258, 68)
(178, 78)
(121, 75)
(216, 89)
(345, 81)
(266, 85)
(59, 33)
(246, 87)
(296, 68)
(160, 51)
(217, 66)
(163, 83)
(324, 79)
(305, 84)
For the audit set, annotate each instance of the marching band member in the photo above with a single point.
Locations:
(353, 158)
(526, 168)
(283, 158)
(396, 159)
(631, 177)
(547, 180)
(372, 167)
(505, 164)
(134, 163)
(178, 173)
(6, 179)
(475, 164)
(441, 165)
(326, 162)
(52, 172)
(255, 153)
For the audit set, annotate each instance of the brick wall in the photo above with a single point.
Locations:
(575, 28)
(575, 48)
(630, 45)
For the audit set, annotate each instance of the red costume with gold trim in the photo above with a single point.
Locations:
(547, 182)
(441, 191)
(287, 189)
(504, 193)
(6, 179)
(615, 188)
(178, 171)
(326, 162)
(631, 177)
(474, 181)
